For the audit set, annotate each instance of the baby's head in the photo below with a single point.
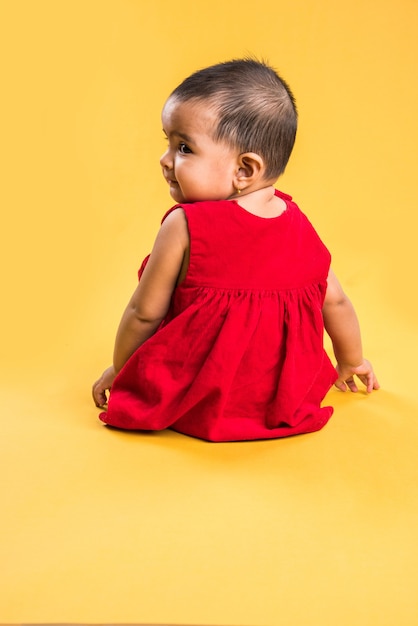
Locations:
(255, 110)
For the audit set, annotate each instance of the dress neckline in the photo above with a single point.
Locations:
(286, 199)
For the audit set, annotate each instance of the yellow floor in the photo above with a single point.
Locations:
(99, 526)
(104, 526)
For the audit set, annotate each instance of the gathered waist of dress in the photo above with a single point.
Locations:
(263, 290)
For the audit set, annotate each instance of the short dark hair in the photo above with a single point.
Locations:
(255, 107)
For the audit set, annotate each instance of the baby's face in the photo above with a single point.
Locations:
(194, 165)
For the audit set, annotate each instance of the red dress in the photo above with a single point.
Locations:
(240, 354)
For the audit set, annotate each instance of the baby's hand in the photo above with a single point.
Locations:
(364, 371)
(102, 385)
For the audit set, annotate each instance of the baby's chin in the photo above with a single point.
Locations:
(175, 193)
(179, 198)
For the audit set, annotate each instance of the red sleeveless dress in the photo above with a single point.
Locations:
(240, 354)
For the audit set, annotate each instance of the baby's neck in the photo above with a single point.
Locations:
(262, 202)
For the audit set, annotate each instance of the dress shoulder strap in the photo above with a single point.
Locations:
(173, 208)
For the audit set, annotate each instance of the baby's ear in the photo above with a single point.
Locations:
(251, 168)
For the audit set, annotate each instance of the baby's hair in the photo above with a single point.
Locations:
(255, 108)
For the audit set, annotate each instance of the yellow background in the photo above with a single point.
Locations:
(100, 526)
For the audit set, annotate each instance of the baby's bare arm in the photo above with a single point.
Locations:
(151, 299)
(342, 325)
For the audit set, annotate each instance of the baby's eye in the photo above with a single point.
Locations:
(184, 148)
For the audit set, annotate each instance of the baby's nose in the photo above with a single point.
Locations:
(166, 161)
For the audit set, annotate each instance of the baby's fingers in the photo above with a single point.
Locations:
(351, 384)
(99, 394)
(340, 384)
(371, 383)
(368, 378)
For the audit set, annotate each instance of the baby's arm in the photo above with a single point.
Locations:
(342, 325)
(151, 299)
